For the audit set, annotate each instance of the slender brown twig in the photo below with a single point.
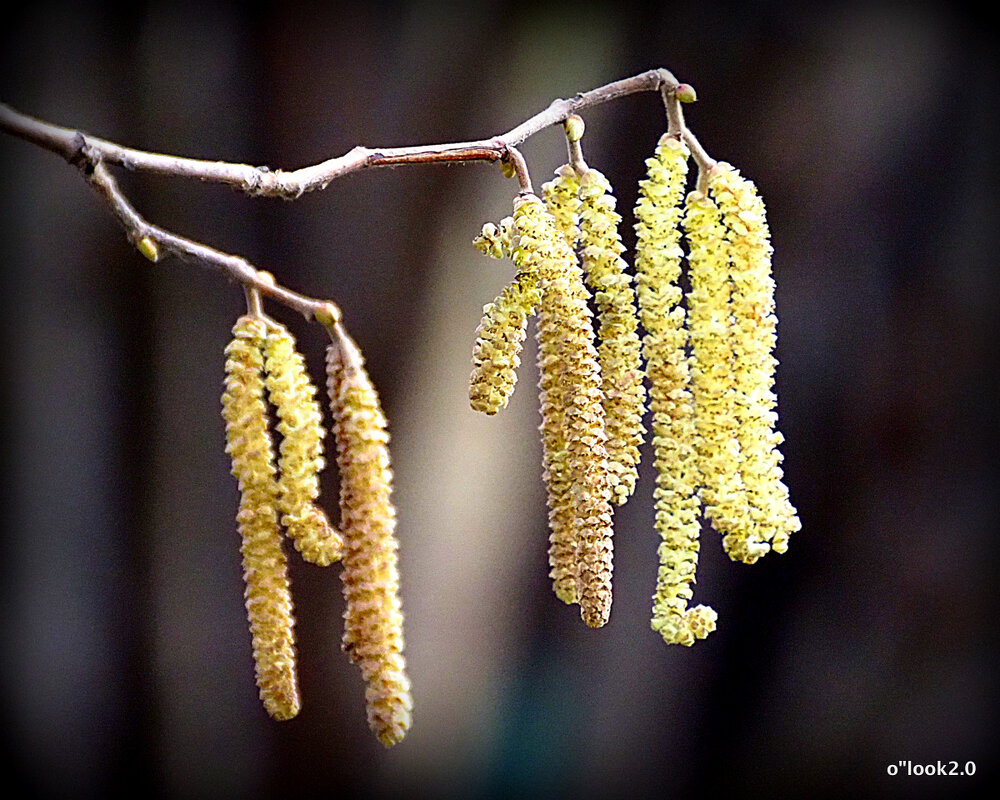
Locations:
(91, 154)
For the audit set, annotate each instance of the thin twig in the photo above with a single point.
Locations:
(91, 154)
(520, 170)
(68, 142)
(237, 268)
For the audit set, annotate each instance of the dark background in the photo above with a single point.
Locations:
(871, 132)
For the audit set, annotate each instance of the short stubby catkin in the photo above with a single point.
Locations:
(573, 436)
(754, 336)
(658, 269)
(373, 619)
(499, 338)
(619, 350)
(293, 396)
(713, 382)
(268, 599)
(495, 240)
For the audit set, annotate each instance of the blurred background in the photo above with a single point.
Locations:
(870, 130)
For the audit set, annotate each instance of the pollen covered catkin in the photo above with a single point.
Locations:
(754, 335)
(495, 240)
(618, 351)
(562, 199)
(573, 436)
(373, 619)
(268, 600)
(658, 268)
(713, 381)
(499, 338)
(293, 395)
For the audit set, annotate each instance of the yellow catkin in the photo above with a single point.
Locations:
(573, 435)
(499, 338)
(621, 370)
(754, 334)
(293, 396)
(268, 600)
(373, 619)
(495, 240)
(713, 381)
(562, 199)
(658, 269)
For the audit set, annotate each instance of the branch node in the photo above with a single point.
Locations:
(148, 247)
(77, 154)
(328, 314)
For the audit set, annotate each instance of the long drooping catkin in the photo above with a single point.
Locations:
(573, 435)
(713, 381)
(754, 335)
(618, 351)
(373, 619)
(658, 267)
(562, 200)
(268, 600)
(499, 338)
(301, 453)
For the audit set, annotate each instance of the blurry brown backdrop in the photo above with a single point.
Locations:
(870, 130)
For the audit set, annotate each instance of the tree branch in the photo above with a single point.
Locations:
(237, 268)
(264, 181)
(91, 154)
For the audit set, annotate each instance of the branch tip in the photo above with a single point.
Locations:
(574, 127)
(328, 314)
(685, 93)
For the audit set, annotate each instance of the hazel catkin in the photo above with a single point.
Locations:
(623, 394)
(495, 240)
(499, 338)
(373, 619)
(268, 600)
(713, 383)
(754, 334)
(658, 268)
(573, 436)
(301, 452)
(562, 199)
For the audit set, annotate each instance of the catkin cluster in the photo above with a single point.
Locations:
(263, 369)
(248, 442)
(708, 361)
